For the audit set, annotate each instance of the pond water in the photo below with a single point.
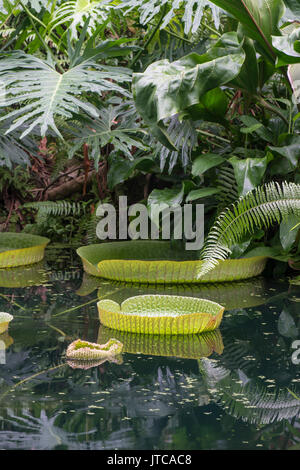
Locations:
(223, 390)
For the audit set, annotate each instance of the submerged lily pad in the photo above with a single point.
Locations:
(156, 262)
(5, 319)
(86, 351)
(19, 249)
(161, 314)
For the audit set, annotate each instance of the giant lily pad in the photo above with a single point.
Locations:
(156, 262)
(19, 249)
(85, 351)
(161, 314)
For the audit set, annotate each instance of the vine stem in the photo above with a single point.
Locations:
(150, 38)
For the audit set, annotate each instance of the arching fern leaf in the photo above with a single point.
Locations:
(261, 208)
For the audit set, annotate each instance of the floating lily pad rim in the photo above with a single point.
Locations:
(45, 243)
(160, 297)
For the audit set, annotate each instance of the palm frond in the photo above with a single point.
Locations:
(193, 11)
(46, 92)
(260, 208)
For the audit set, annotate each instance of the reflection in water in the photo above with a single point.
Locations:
(242, 294)
(224, 390)
(184, 346)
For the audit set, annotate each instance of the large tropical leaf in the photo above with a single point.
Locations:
(261, 208)
(288, 46)
(74, 13)
(46, 93)
(108, 128)
(193, 11)
(260, 19)
(12, 150)
(166, 89)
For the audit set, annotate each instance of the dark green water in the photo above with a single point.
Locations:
(227, 390)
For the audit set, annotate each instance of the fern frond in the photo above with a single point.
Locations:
(260, 208)
(61, 208)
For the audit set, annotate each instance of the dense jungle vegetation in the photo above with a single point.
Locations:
(183, 101)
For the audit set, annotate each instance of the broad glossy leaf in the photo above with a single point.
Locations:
(286, 233)
(248, 172)
(206, 161)
(212, 107)
(166, 89)
(260, 18)
(288, 47)
(120, 170)
(291, 151)
(248, 78)
(171, 197)
(201, 193)
(292, 9)
(254, 126)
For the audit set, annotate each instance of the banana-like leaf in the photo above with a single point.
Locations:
(161, 315)
(166, 89)
(48, 93)
(266, 205)
(156, 263)
(259, 18)
(19, 249)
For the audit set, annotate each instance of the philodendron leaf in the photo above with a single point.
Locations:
(260, 19)
(166, 89)
(248, 172)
